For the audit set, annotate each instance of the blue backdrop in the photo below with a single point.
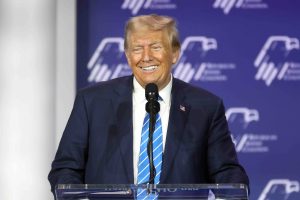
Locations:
(245, 51)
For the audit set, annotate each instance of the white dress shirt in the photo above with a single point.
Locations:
(138, 109)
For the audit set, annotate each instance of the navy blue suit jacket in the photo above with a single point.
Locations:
(97, 144)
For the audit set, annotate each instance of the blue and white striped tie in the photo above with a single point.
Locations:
(143, 167)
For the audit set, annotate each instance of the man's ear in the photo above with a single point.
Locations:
(127, 56)
(175, 56)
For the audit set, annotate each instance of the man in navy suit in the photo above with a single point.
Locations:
(100, 144)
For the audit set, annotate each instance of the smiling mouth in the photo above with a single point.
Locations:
(149, 68)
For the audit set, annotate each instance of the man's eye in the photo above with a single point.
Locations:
(137, 50)
(156, 48)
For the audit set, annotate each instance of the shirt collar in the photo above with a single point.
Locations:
(165, 93)
(139, 91)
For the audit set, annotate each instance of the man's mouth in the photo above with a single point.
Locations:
(149, 68)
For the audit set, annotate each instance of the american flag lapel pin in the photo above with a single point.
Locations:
(182, 108)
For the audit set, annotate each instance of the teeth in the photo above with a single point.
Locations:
(149, 68)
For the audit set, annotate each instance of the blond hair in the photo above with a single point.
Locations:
(153, 22)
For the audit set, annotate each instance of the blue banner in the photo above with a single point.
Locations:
(245, 51)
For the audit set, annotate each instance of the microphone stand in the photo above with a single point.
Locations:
(152, 121)
(152, 107)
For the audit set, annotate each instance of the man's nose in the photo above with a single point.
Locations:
(147, 55)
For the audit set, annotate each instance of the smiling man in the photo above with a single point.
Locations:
(103, 137)
(151, 47)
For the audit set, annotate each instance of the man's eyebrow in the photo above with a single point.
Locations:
(141, 45)
(155, 43)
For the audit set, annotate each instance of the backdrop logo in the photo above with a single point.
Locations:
(248, 115)
(193, 64)
(276, 61)
(136, 5)
(108, 61)
(228, 5)
(280, 189)
(239, 119)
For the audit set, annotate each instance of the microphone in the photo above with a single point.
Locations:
(151, 93)
(152, 107)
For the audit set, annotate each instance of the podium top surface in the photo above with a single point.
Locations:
(163, 191)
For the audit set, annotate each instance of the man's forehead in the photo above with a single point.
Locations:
(152, 36)
(145, 33)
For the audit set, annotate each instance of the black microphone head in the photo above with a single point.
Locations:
(151, 92)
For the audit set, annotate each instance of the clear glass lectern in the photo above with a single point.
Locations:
(183, 191)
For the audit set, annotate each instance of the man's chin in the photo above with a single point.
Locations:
(147, 81)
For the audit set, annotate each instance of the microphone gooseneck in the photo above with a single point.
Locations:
(152, 107)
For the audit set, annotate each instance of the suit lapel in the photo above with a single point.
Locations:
(124, 122)
(178, 115)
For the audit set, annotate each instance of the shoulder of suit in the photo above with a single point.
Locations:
(194, 92)
(107, 87)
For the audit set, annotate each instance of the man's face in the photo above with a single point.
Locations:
(151, 57)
